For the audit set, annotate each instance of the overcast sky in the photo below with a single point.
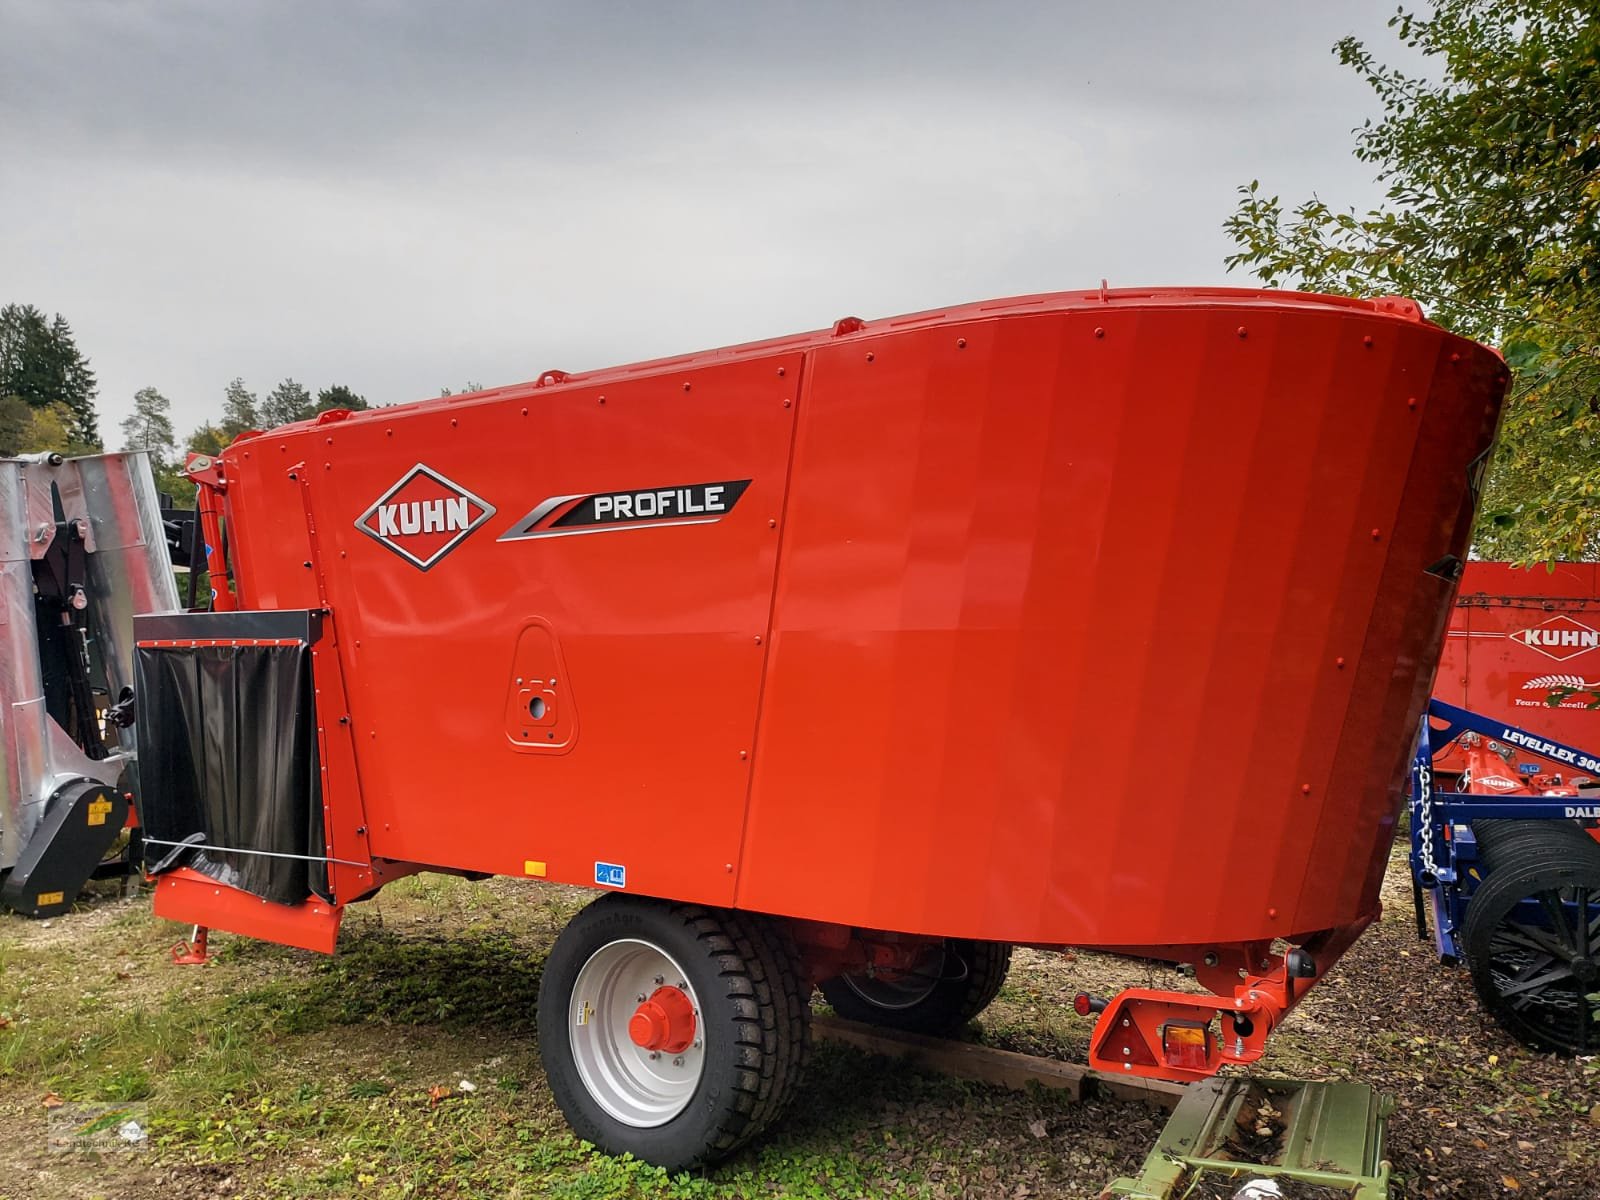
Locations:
(405, 196)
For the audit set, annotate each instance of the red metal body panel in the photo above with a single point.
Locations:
(659, 630)
(1517, 635)
(981, 554)
(193, 898)
(1010, 560)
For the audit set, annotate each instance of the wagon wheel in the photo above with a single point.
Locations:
(1532, 936)
(951, 983)
(672, 1032)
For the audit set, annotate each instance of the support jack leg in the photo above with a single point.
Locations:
(193, 952)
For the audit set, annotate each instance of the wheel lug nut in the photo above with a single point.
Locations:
(660, 979)
(654, 1054)
(641, 998)
(678, 1062)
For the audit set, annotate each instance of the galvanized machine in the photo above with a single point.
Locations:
(83, 547)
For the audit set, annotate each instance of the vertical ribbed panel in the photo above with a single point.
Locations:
(1061, 610)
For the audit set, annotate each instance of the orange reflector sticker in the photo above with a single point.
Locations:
(529, 867)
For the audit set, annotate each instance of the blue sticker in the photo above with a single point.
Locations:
(1529, 768)
(610, 875)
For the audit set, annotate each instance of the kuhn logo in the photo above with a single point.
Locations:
(1559, 638)
(1499, 783)
(424, 516)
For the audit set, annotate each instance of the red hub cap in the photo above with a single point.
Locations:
(664, 1022)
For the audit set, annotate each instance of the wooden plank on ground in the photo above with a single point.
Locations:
(985, 1064)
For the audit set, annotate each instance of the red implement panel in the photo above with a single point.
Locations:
(1518, 637)
(877, 625)
(1022, 555)
(557, 695)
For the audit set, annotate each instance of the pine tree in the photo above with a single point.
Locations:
(339, 396)
(287, 402)
(40, 364)
(149, 428)
(240, 410)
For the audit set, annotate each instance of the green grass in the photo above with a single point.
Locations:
(307, 1076)
(298, 1076)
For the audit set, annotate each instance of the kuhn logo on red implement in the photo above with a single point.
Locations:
(424, 516)
(1499, 783)
(1559, 638)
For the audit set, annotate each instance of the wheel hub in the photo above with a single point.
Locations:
(664, 1021)
(636, 1037)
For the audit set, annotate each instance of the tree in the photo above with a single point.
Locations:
(469, 386)
(207, 439)
(149, 428)
(240, 410)
(16, 420)
(40, 363)
(1492, 218)
(287, 402)
(51, 429)
(339, 396)
(28, 430)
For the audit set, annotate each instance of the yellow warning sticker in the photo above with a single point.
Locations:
(44, 898)
(98, 809)
(585, 1011)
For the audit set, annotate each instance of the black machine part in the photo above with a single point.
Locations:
(228, 750)
(956, 981)
(185, 547)
(82, 821)
(67, 637)
(1532, 933)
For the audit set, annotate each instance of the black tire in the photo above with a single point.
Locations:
(753, 1018)
(1500, 840)
(959, 980)
(1534, 971)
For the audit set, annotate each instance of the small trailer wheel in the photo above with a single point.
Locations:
(954, 982)
(671, 1032)
(1532, 933)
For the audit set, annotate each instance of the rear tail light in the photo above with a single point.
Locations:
(1086, 1005)
(1186, 1044)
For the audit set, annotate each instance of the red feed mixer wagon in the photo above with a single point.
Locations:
(826, 658)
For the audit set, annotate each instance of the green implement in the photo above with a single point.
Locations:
(1261, 1139)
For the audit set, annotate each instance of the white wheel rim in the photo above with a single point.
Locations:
(638, 1087)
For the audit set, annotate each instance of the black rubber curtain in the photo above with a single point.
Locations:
(227, 749)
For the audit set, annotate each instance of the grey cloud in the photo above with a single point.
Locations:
(401, 196)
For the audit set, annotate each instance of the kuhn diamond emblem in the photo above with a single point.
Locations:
(1559, 638)
(424, 516)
